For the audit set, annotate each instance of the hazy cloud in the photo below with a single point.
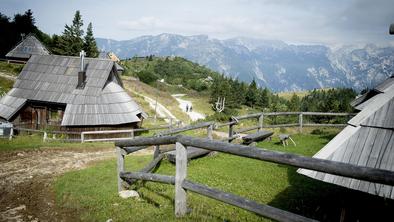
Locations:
(302, 21)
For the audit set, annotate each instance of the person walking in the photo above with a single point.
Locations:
(187, 107)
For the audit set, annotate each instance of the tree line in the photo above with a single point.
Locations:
(70, 42)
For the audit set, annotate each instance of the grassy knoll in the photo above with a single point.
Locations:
(34, 141)
(92, 192)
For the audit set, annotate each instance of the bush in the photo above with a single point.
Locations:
(147, 76)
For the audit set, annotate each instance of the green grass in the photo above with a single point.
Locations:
(10, 68)
(5, 85)
(29, 142)
(92, 192)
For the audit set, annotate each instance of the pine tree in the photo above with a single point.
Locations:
(90, 46)
(71, 42)
(251, 94)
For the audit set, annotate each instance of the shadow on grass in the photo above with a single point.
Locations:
(329, 202)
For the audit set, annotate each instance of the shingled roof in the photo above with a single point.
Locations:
(27, 47)
(53, 79)
(368, 140)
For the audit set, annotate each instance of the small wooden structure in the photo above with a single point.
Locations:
(368, 141)
(70, 94)
(25, 49)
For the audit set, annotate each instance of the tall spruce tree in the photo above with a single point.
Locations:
(90, 46)
(71, 42)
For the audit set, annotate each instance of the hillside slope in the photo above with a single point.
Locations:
(273, 64)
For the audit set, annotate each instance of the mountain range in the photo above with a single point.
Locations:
(271, 63)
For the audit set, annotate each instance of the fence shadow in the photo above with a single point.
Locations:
(328, 202)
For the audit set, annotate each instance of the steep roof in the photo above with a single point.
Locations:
(52, 78)
(368, 140)
(28, 47)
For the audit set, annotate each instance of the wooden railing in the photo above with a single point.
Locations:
(182, 185)
(158, 153)
(234, 121)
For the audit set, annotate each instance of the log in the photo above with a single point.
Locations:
(255, 137)
(321, 165)
(250, 205)
(133, 149)
(127, 176)
(152, 165)
(192, 152)
(147, 141)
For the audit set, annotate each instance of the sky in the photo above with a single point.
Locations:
(329, 22)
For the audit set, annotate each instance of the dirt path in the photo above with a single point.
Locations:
(26, 177)
(182, 105)
(161, 110)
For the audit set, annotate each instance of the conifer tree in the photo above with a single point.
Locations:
(71, 42)
(90, 46)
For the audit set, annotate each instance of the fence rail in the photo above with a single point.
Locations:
(182, 184)
(234, 121)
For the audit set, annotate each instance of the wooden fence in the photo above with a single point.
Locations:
(83, 135)
(182, 143)
(234, 121)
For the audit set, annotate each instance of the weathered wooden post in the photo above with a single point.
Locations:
(120, 167)
(209, 131)
(156, 151)
(11, 133)
(45, 137)
(300, 122)
(132, 134)
(180, 175)
(82, 137)
(261, 122)
(170, 123)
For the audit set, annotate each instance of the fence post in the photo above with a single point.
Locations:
(120, 167)
(180, 175)
(261, 122)
(300, 122)
(45, 137)
(209, 131)
(132, 134)
(156, 151)
(82, 137)
(171, 123)
(11, 133)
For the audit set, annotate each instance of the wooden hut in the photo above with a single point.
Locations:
(368, 140)
(70, 93)
(25, 49)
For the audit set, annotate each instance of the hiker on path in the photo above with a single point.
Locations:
(187, 108)
(191, 108)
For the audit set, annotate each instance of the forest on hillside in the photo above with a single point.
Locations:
(182, 72)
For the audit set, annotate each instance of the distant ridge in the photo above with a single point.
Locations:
(272, 63)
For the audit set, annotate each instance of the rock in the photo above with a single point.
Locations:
(128, 194)
(109, 220)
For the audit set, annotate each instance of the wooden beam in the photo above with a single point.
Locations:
(180, 176)
(147, 169)
(147, 141)
(250, 205)
(127, 176)
(133, 149)
(120, 167)
(321, 165)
